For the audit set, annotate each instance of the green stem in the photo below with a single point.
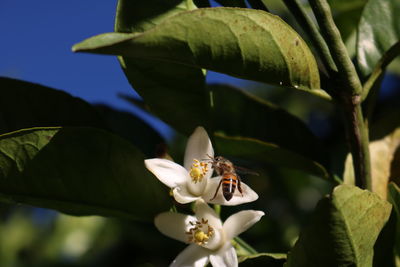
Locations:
(370, 102)
(380, 68)
(312, 30)
(217, 209)
(211, 110)
(346, 70)
(357, 133)
(347, 92)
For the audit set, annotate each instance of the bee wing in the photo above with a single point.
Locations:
(246, 171)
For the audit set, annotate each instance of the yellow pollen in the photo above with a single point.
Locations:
(198, 170)
(200, 233)
(200, 237)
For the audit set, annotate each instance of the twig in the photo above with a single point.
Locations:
(357, 134)
(347, 91)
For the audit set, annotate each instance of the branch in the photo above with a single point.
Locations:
(357, 134)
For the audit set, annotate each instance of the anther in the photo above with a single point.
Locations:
(200, 233)
(198, 170)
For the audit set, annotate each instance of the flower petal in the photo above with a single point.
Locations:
(198, 188)
(203, 211)
(225, 257)
(198, 147)
(240, 222)
(182, 195)
(192, 256)
(248, 194)
(174, 225)
(168, 172)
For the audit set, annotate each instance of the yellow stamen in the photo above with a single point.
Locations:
(200, 237)
(198, 170)
(200, 233)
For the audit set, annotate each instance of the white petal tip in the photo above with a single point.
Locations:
(182, 196)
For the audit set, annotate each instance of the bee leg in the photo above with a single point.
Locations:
(216, 191)
(239, 186)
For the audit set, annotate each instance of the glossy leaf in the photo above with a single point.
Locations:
(262, 152)
(246, 43)
(343, 230)
(378, 31)
(133, 129)
(81, 171)
(24, 105)
(237, 113)
(383, 163)
(162, 84)
(133, 16)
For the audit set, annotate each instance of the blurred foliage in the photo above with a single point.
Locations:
(43, 238)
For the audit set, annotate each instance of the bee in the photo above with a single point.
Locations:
(229, 178)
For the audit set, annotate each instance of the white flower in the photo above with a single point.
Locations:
(193, 181)
(209, 239)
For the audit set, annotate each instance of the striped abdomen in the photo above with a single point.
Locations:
(229, 183)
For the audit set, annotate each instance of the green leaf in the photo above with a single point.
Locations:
(383, 163)
(373, 82)
(263, 259)
(81, 171)
(262, 152)
(237, 113)
(343, 230)
(162, 84)
(378, 31)
(246, 43)
(134, 16)
(25, 105)
(133, 129)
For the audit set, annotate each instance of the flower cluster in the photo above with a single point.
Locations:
(209, 238)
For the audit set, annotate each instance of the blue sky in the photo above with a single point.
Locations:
(36, 41)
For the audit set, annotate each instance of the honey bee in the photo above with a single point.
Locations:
(229, 178)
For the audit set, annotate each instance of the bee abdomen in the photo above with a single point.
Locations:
(229, 182)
